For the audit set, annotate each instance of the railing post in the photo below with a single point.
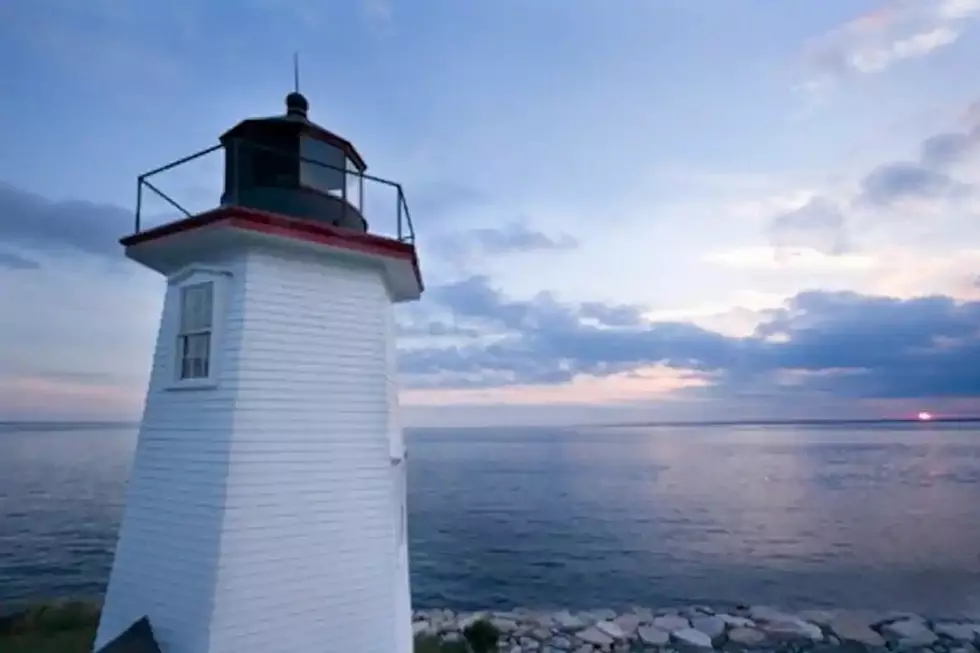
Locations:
(236, 176)
(139, 202)
(360, 192)
(343, 190)
(399, 203)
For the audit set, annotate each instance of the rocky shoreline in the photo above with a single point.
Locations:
(702, 628)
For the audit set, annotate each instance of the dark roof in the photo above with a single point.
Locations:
(295, 119)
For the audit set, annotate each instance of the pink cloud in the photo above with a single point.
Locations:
(30, 398)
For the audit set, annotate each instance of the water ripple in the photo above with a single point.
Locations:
(853, 517)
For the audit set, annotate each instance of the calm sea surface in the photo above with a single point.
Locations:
(883, 518)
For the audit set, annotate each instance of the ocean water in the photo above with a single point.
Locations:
(860, 517)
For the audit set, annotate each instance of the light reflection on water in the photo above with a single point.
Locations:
(858, 517)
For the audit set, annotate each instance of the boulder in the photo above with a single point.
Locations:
(961, 632)
(568, 621)
(505, 626)
(747, 637)
(820, 617)
(713, 627)
(736, 622)
(671, 622)
(653, 636)
(628, 622)
(909, 633)
(542, 620)
(965, 648)
(854, 628)
(898, 616)
(783, 626)
(790, 628)
(540, 634)
(692, 638)
(594, 636)
(612, 629)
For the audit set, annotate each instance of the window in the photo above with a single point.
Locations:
(274, 161)
(194, 337)
(323, 169)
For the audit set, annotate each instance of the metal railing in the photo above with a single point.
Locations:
(353, 191)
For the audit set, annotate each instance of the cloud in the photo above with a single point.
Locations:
(874, 42)
(898, 181)
(943, 150)
(31, 221)
(841, 343)
(823, 221)
(877, 347)
(13, 261)
(465, 246)
(928, 177)
(819, 224)
(515, 237)
(802, 258)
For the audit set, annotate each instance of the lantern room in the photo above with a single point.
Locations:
(291, 166)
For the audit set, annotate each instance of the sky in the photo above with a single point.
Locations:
(628, 210)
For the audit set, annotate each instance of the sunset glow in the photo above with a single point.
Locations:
(924, 416)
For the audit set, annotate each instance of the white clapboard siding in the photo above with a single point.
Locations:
(261, 511)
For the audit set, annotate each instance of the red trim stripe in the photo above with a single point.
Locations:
(286, 227)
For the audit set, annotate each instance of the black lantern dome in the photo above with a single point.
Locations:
(296, 104)
(290, 166)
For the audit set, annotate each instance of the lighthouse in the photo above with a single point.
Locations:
(266, 506)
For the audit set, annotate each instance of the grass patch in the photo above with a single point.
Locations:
(69, 641)
(69, 627)
(482, 636)
(56, 627)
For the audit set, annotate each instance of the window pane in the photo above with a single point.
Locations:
(196, 307)
(198, 345)
(188, 309)
(195, 356)
(323, 167)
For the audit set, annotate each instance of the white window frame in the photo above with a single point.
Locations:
(195, 365)
(181, 283)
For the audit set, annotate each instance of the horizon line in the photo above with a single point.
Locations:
(625, 424)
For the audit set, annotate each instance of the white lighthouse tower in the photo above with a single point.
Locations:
(266, 506)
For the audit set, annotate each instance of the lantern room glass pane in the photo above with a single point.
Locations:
(322, 167)
(355, 185)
